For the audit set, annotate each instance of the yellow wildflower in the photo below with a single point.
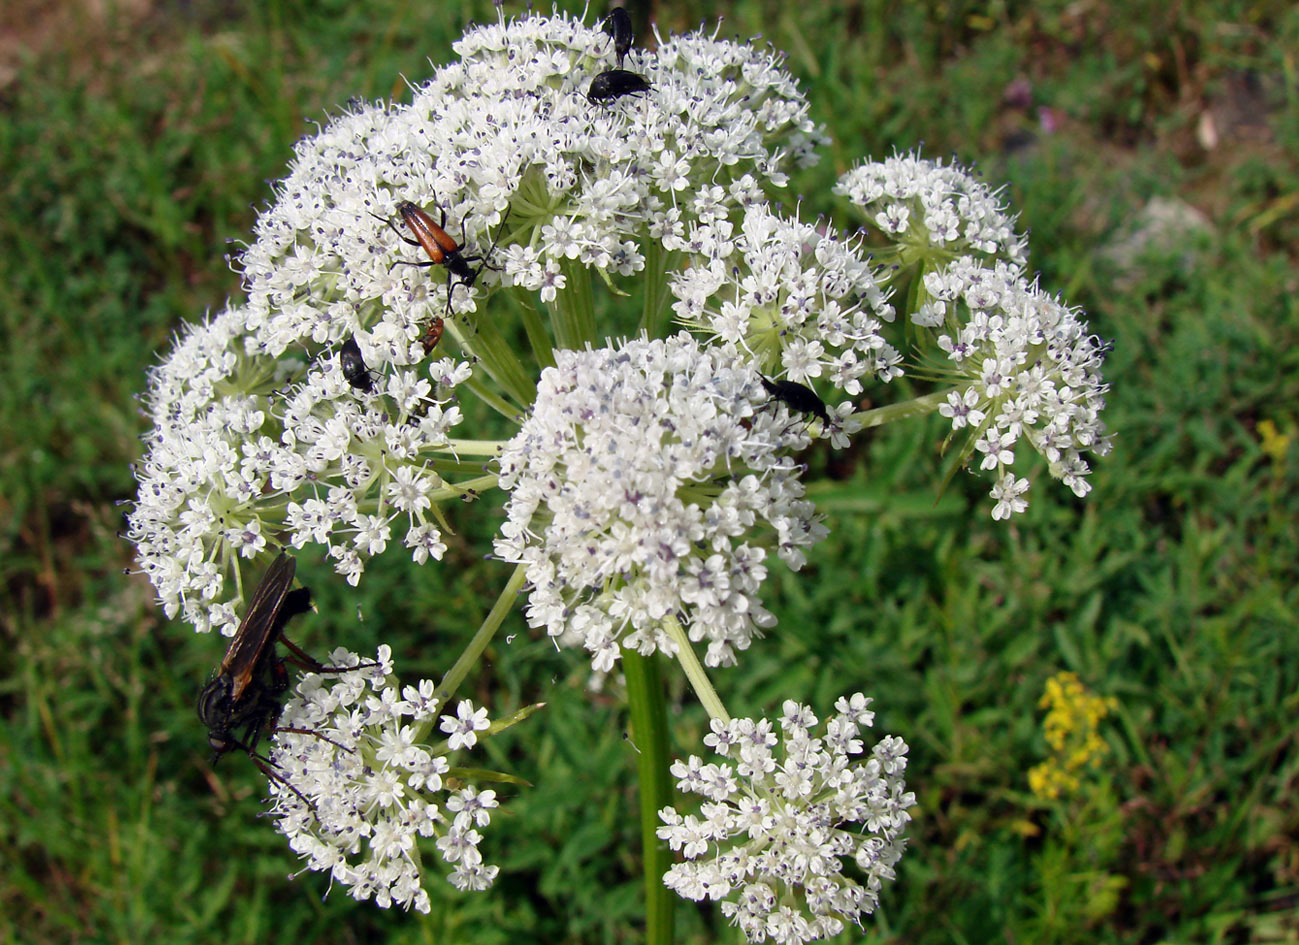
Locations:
(1071, 729)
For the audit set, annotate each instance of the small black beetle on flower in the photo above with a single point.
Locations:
(354, 367)
(618, 25)
(613, 84)
(797, 397)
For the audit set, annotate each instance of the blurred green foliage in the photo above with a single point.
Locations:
(137, 140)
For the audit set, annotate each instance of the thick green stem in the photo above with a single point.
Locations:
(911, 408)
(708, 697)
(538, 340)
(654, 317)
(451, 469)
(572, 313)
(457, 490)
(496, 355)
(649, 732)
(475, 447)
(469, 658)
(502, 406)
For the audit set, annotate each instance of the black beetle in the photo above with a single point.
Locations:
(614, 83)
(797, 397)
(354, 367)
(618, 25)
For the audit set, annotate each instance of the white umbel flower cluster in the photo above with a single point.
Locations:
(778, 826)
(372, 789)
(801, 303)
(649, 483)
(509, 125)
(1027, 370)
(246, 449)
(259, 437)
(916, 201)
(1023, 365)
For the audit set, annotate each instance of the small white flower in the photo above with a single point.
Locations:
(1007, 492)
(472, 806)
(408, 490)
(473, 877)
(419, 701)
(464, 726)
(962, 408)
(372, 534)
(426, 542)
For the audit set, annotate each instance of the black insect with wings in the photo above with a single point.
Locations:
(245, 696)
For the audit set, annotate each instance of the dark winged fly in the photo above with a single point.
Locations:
(797, 397)
(618, 25)
(248, 689)
(441, 248)
(354, 367)
(613, 84)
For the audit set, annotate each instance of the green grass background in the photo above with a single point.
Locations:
(136, 140)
